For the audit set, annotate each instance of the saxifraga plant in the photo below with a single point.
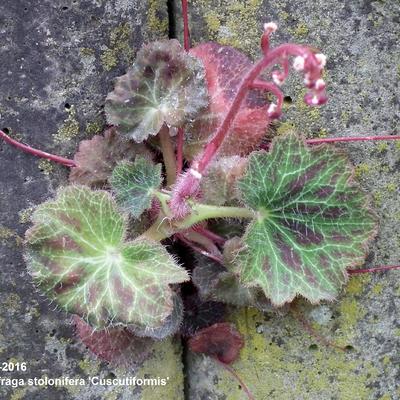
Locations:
(295, 221)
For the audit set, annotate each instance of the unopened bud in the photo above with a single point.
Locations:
(298, 63)
(277, 78)
(321, 58)
(270, 27)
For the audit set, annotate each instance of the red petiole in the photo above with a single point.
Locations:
(39, 153)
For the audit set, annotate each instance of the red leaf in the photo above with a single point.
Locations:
(115, 345)
(221, 341)
(225, 68)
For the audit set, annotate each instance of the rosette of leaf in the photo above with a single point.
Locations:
(97, 157)
(77, 254)
(219, 186)
(311, 221)
(225, 68)
(165, 85)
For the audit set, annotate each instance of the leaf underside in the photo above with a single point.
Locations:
(221, 341)
(133, 184)
(225, 68)
(97, 157)
(77, 256)
(165, 85)
(116, 345)
(313, 221)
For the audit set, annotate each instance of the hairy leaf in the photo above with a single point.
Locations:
(312, 221)
(77, 256)
(170, 326)
(165, 85)
(219, 186)
(116, 345)
(221, 341)
(97, 157)
(217, 283)
(225, 68)
(133, 184)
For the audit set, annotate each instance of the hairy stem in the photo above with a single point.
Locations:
(39, 153)
(165, 226)
(168, 155)
(186, 33)
(369, 270)
(211, 235)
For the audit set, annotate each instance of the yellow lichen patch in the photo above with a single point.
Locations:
(350, 313)
(391, 187)
(156, 23)
(234, 24)
(378, 288)
(277, 364)
(94, 127)
(89, 366)
(119, 47)
(45, 166)
(12, 302)
(25, 215)
(69, 128)
(301, 30)
(6, 234)
(18, 394)
(361, 170)
(165, 363)
(284, 128)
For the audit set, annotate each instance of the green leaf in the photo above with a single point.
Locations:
(312, 221)
(78, 257)
(165, 85)
(134, 183)
(97, 157)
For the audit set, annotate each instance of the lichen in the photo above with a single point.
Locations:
(119, 47)
(278, 370)
(361, 170)
(45, 166)
(94, 127)
(69, 128)
(25, 215)
(157, 23)
(165, 363)
(235, 24)
(301, 30)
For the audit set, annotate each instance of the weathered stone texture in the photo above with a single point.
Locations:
(281, 360)
(59, 59)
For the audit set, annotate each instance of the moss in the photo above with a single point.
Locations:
(119, 47)
(165, 363)
(25, 215)
(45, 166)
(357, 283)
(69, 128)
(275, 368)
(156, 22)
